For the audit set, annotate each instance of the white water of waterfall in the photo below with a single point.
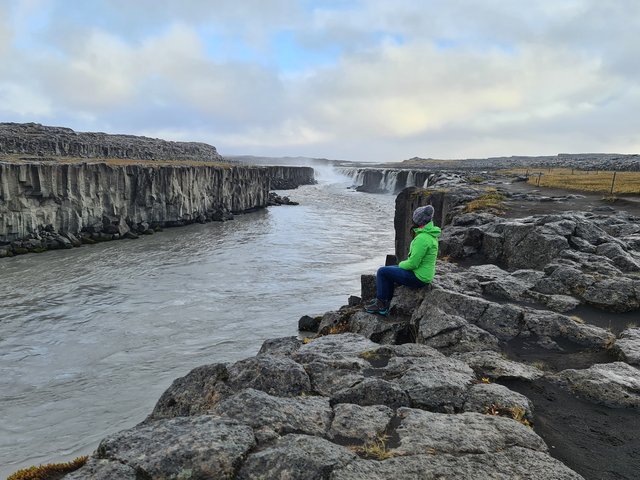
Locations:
(392, 181)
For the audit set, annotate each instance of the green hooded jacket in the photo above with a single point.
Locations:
(423, 253)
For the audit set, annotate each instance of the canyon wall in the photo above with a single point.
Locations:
(73, 197)
(284, 178)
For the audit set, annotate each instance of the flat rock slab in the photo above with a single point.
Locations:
(421, 432)
(299, 457)
(494, 366)
(279, 376)
(483, 396)
(331, 376)
(359, 423)
(373, 391)
(346, 345)
(612, 384)
(185, 447)
(514, 463)
(438, 384)
(309, 415)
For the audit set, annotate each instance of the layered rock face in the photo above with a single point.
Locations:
(71, 197)
(42, 141)
(285, 178)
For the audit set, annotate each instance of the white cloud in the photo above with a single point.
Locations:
(439, 78)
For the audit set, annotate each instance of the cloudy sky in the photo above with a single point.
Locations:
(360, 80)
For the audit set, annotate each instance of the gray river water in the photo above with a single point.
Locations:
(91, 337)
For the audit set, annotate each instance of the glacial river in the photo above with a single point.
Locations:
(91, 337)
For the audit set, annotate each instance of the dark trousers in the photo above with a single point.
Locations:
(387, 277)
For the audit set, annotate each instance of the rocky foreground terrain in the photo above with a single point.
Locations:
(521, 361)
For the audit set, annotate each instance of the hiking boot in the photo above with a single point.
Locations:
(380, 307)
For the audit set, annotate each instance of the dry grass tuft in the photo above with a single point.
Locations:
(50, 471)
(370, 355)
(375, 449)
(515, 412)
(491, 200)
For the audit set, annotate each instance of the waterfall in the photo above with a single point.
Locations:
(386, 180)
(392, 181)
(410, 179)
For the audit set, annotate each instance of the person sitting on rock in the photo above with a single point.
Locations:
(417, 270)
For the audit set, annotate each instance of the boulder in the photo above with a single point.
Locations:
(296, 456)
(96, 469)
(438, 384)
(483, 396)
(195, 447)
(284, 346)
(378, 328)
(465, 433)
(450, 333)
(627, 346)
(330, 376)
(613, 384)
(279, 376)
(359, 424)
(308, 324)
(261, 411)
(493, 365)
(195, 393)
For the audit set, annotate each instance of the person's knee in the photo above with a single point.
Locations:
(382, 271)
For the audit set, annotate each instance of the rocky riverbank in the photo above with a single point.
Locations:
(494, 372)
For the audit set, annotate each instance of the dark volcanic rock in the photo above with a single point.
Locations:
(279, 376)
(194, 447)
(296, 456)
(308, 415)
(513, 463)
(193, 394)
(465, 433)
(628, 346)
(359, 423)
(613, 384)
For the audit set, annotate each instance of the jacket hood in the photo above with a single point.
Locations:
(429, 229)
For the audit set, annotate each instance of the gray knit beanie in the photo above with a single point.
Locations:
(423, 215)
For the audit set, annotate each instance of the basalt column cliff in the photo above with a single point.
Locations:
(116, 186)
